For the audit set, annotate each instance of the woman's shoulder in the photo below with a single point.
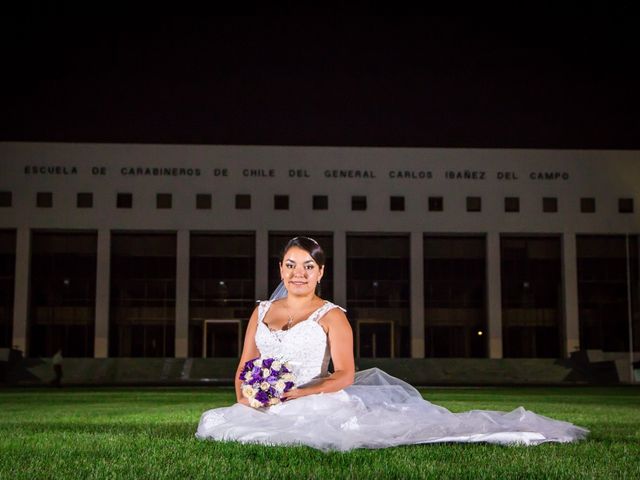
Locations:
(333, 307)
(330, 310)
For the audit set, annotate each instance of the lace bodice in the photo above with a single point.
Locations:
(304, 345)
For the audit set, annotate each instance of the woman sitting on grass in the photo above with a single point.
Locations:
(286, 396)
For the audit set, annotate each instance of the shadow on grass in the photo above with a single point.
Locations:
(616, 432)
(158, 430)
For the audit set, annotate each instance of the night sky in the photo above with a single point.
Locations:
(421, 81)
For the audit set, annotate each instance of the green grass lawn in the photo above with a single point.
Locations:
(149, 433)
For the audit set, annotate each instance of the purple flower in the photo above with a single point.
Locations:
(266, 363)
(288, 386)
(262, 397)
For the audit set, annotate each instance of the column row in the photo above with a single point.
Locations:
(408, 295)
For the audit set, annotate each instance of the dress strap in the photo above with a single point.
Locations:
(318, 314)
(263, 308)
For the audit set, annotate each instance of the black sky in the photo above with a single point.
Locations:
(422, 81)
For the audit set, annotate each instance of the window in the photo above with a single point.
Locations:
(511, 204)
(320, 202)
(62, 294)
(396, 204)
(358, 202)
(164, 200)
(436, 204)
(7, 283)
(603, 311)
(243, 202)
(84, 200)
(44, 199)
(5, 199)
(281, 202)
(143, 295)
(455, 296)
(124, 200)
(531, 273)
(588, 205)
(203, 201)
(222, 292)
(474, 204)
(549, 204)
(378, 299)
(625, 205)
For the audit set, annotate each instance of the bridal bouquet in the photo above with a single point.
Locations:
(264, 380)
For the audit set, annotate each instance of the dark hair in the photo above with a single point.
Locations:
(307, 244)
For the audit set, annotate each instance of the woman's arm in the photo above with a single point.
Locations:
(341, 344)
(249, 351)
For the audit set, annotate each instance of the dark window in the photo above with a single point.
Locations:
(243, 202)
(221, 292)
(358, 202)
(531, 273)
(124, 200)
(550, 204)
(62, 294)
(7, 282)
(511, 204)
(436, 204)
(396, 204)
(164, 200)
(203, 201)
(603, 262)
(5, 199)
(44, 199)
(625, 205)
(455, 296)
(281, 202)
(84, 200)
(588, 205)
(143, 295)
(474, 204)
(320, 202)
(378, 281)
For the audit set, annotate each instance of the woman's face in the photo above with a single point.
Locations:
(300, 272)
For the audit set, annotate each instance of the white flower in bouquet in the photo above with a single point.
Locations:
(248, 391)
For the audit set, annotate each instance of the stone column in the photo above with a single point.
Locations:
(417, 295)
(21, 290)
(494, 295)
(103, 294)
(183, 258)
(570, 294)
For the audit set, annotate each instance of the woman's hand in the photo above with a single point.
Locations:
(293, 394)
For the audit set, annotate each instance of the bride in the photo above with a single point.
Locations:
(343, 410)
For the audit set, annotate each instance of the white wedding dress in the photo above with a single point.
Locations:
(376, 411)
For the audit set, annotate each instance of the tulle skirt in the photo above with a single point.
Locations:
(377, 411)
